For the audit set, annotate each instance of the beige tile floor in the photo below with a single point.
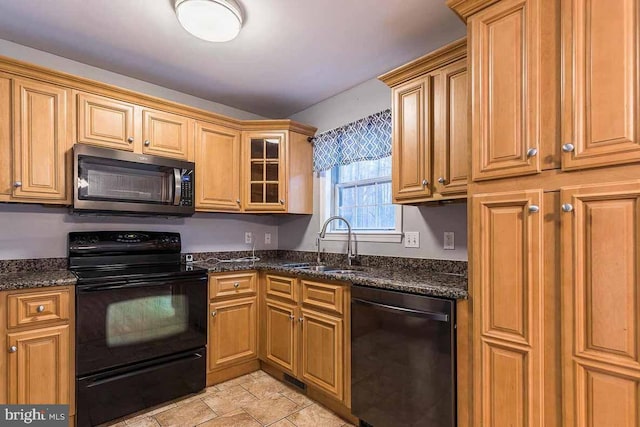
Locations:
(252, 400)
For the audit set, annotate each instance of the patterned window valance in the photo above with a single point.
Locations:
(364, 139)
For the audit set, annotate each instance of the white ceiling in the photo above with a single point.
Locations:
(290, 54)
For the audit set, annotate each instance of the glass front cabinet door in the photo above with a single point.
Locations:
(265, 179)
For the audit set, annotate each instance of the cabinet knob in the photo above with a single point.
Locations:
(40, 308)
(292, 317)
(301, 319)
(130, 140)
(568, 148)
(13, 349)
(282, 201)
(17, 184)
(567, 207)
(532, 152)
(213, 313)
(147, 143)
(425, 182)
(238, 201)
(236, 285)
(534, 208)
(441, 180)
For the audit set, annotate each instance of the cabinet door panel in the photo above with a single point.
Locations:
(38, 370)
(602, 72)
(217, 153)
(508, 290)
(601, 290)
(232, 332)
(41, 141)
(265, 175)
(165, 134)
(322, 352)
(281, 335)
(6, 181)
(451, 130)
(505, 101)
(411, 158)
(105, 122)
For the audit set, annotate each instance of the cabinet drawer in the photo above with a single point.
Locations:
(282, 287)
(232, 284)
(32, 308)
(324, 296)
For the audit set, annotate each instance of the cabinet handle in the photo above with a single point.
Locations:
(130, 140)
(17, 184)
(40, 308)
(425, 182)
(213, 313)
(441, 180)
(568, 148)
(13, 349)
(532, 152)
(282, 201)
(236, 285)
(567, 207)
(534, 208)
(147, 143)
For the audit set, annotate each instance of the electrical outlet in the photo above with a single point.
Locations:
(412, 239)
(248, 237)
(188, 258)
(449, 242)
(267, 238)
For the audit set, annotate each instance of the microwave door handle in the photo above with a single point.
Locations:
(177, 190)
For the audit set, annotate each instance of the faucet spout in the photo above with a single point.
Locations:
(323, 232)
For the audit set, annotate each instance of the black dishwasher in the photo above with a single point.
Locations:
(403, 368)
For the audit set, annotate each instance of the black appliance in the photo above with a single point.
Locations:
(141, 322)
(116, 181)
(403, 370)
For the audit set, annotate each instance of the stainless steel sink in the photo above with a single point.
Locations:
(345, 271)
(313, 267)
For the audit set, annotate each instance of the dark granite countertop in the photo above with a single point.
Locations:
(410, 280)
(36, 279)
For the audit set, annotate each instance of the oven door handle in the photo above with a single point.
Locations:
(132, 285)
(177, 186)
(440, 317)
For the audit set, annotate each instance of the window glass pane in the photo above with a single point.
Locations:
(272, 193)
(362, 194)
(272, 148)
(272, 171)
(257, 171)
(257, 148)
(257, 193)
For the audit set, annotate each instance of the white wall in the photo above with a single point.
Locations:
(58, 63)
(299, 233)
(33, 231)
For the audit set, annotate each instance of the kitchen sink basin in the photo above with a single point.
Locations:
(345, 271)
(314, 267)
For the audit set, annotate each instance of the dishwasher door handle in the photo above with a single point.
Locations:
(440, 317)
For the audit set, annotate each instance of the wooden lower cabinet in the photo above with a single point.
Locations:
(38, 369)
(38, 364)
(601, 304)
(308, 337)
(232, 332)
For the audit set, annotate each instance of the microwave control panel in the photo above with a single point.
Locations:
(187, 188)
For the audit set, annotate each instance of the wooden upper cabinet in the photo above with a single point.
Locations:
(601, 100)
(165, 134)
(411, 153)
(38, 369)
(41, 139)
(508, 311)
(265, 177)
(105, 122)
(451, 137)
(6, 177)
(217, 155)
(505, 117)
(601, 304)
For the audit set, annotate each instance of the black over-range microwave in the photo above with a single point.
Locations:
(119, 182)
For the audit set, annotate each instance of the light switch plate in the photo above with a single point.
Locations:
(449, 240)
(267, 238)
(412, 239)
(248, 238)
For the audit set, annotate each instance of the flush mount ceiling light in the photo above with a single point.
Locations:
(211, 20)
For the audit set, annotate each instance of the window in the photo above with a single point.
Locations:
(361, 193)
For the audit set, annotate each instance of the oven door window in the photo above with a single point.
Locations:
(118, 325)
(115, 180)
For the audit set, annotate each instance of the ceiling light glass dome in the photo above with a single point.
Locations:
(210, 20)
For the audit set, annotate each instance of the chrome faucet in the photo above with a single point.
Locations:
(323, 232)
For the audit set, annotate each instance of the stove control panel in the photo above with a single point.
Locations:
(109, 242)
